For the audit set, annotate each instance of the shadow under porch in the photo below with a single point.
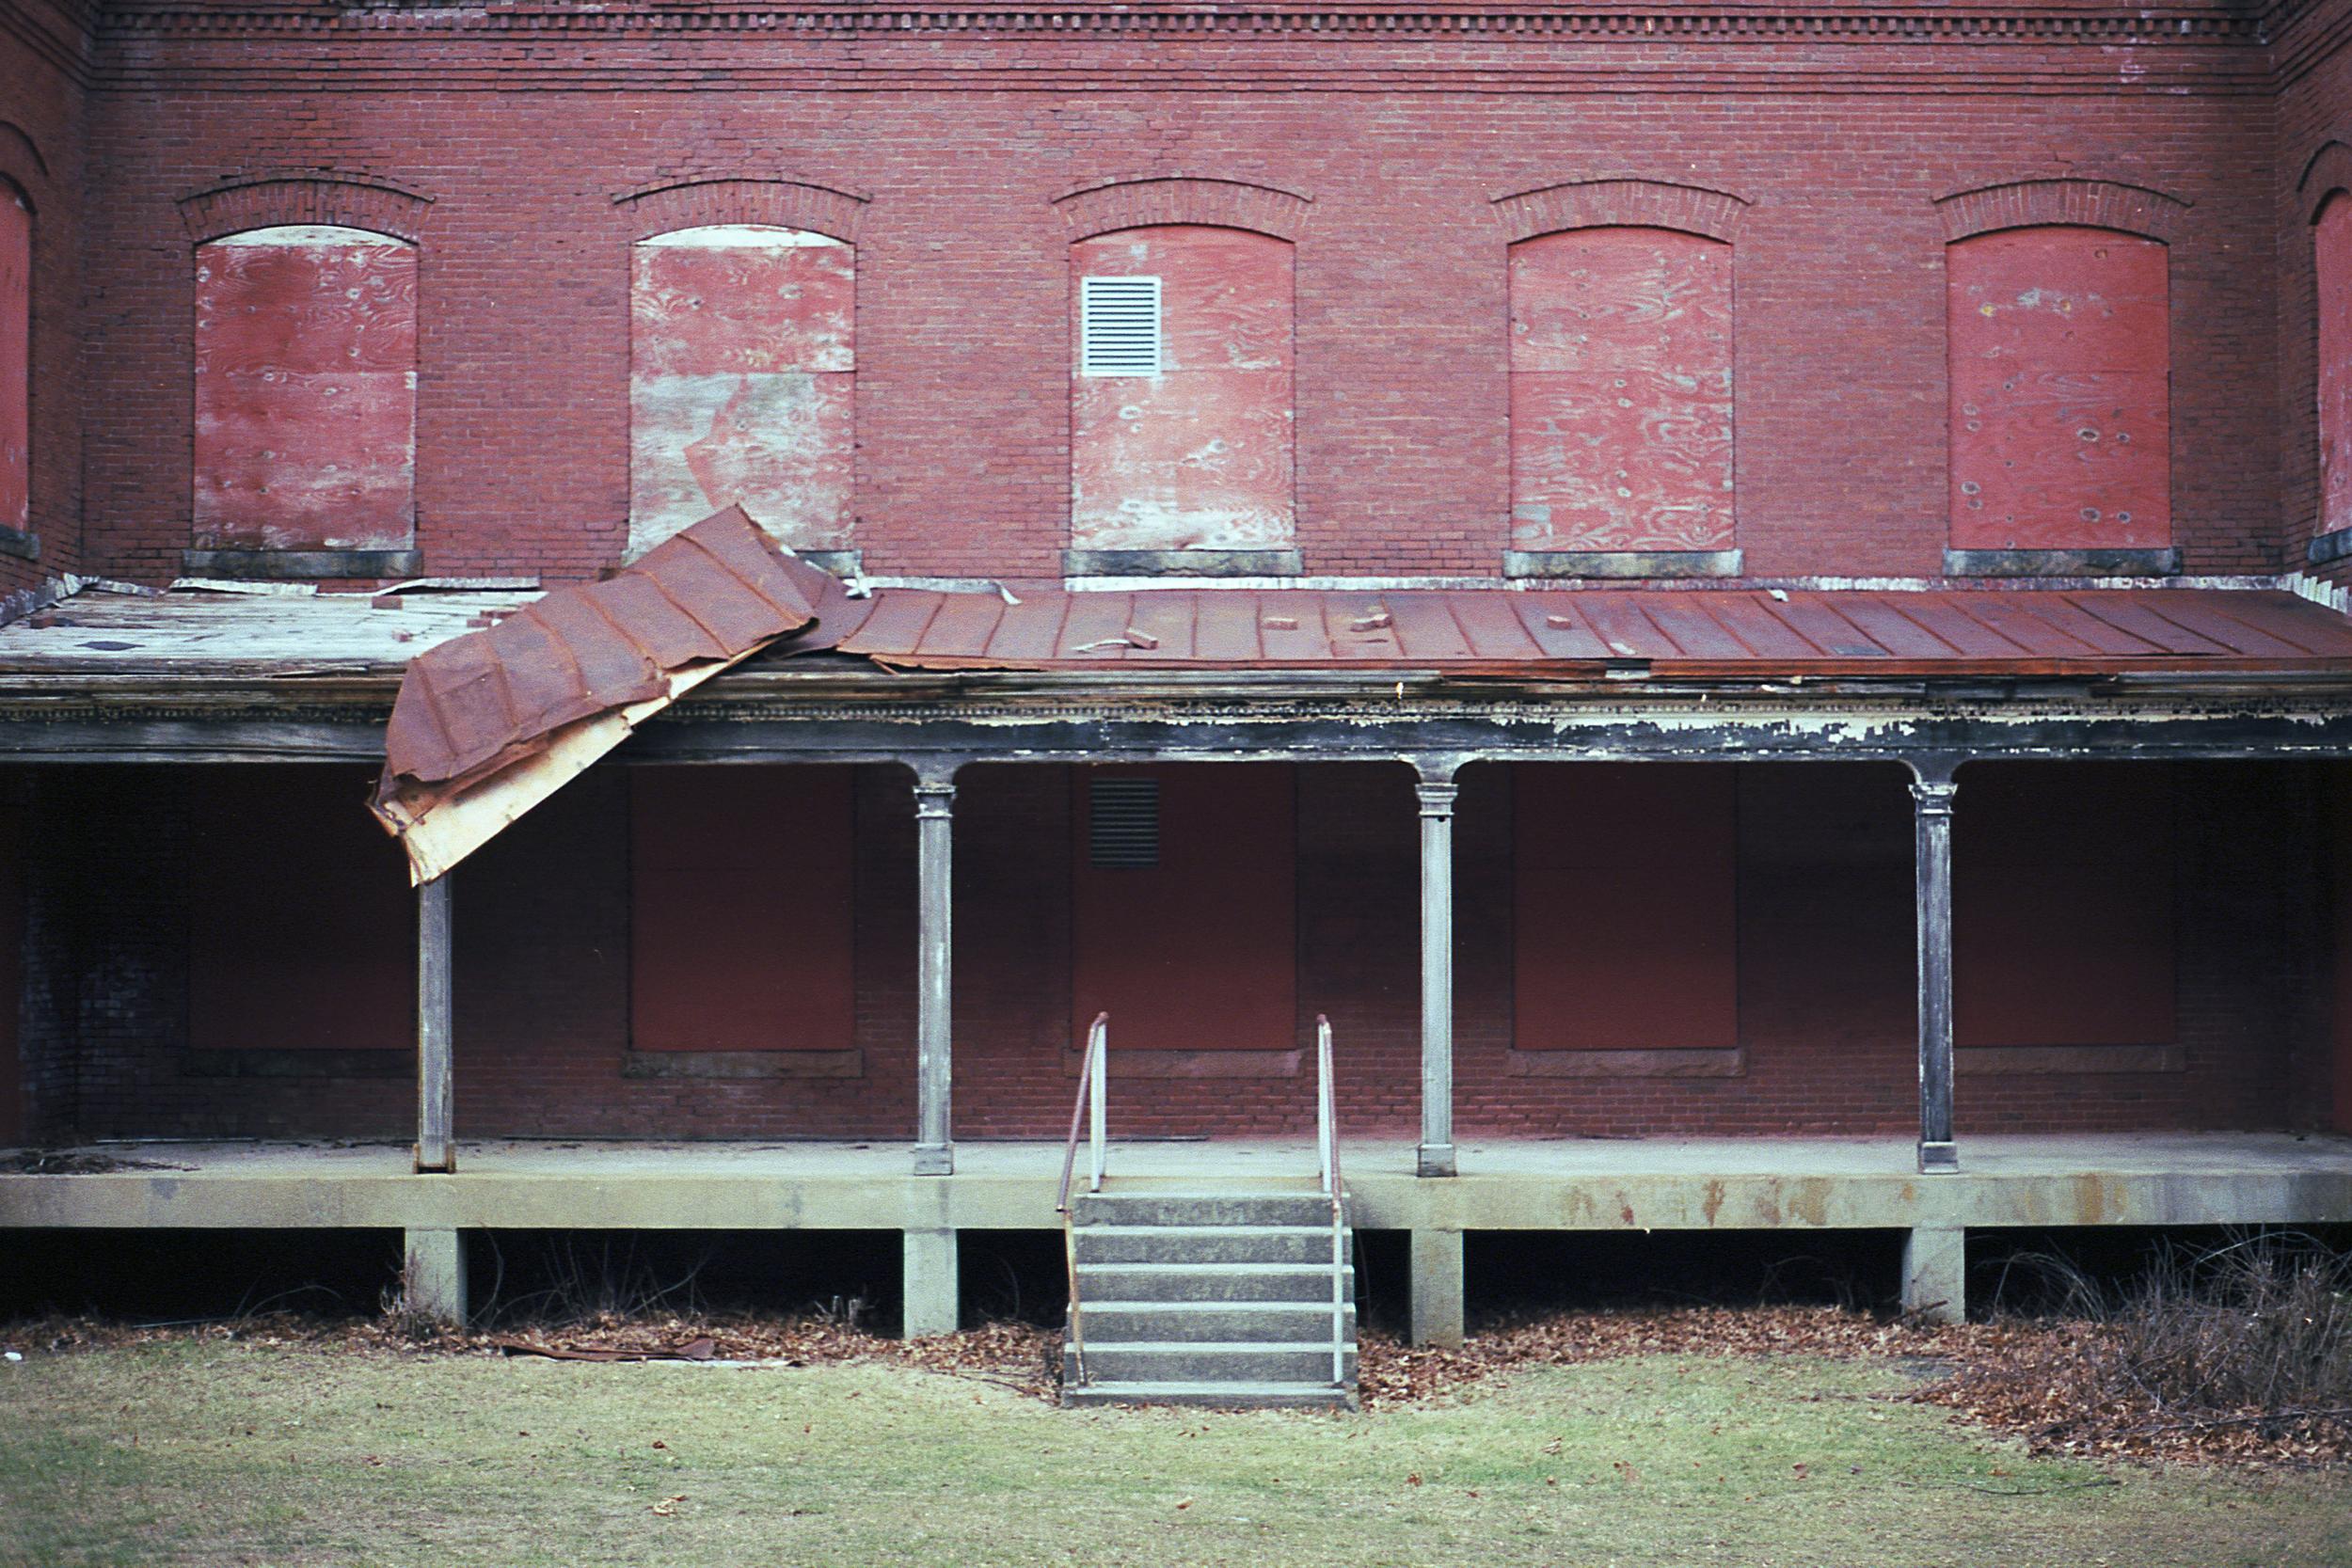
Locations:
(1814, 880)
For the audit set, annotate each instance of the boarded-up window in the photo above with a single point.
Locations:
(2062, 905)
(1194, 945)
(1196, 454)
(16, 359)
(2333, 249)
(2060, 391)
(742, 376)
(306, 390)
(301, 923)
(1625, 907)
(1621, 391)
(741, 935)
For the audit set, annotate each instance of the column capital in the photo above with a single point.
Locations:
(1934, 796)
(1437, 800)
(934, 798)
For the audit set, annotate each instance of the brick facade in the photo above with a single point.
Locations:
(1835, 153)
(1402, 166)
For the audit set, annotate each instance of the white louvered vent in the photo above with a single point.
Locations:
(1118, 326)
(1123, 823)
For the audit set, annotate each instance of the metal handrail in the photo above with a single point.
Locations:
(1091, 1077)
(1328, 1147)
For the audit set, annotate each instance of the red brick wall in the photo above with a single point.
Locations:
(1824, 1002)
(1400, 146)
(42, 133)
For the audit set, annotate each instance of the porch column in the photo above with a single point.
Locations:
(437, 1097)
(934, 809)
(1932, 794)
(1436, 790)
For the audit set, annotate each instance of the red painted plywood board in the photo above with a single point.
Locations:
(2331, 240)
(1621, 387)
(16, 368)
(740, 914)
(2061, 391)
(301, 928)
(2063, 918)
(742, 382)
(1625, 921)
(1201, 952)
(1200, 456)
(305, 351)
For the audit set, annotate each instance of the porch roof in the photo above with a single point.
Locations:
(1521, 633)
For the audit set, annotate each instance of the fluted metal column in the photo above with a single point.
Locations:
(934, 813)
(437, 1095)
(1436, 790)
(1932, 795)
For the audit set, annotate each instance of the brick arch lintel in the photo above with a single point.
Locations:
(2328, 173)
(21, 162)
(1141, 200)
(2092, 203)
(1619, 201)
(700, 200)
(268, 199)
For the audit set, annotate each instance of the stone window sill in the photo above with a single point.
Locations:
(2011, 1060)
(1652, 1062)
(1180, 563)
(1621, 563)
(743, 1064)
(300, 565)
(2062, 563)
(1192, 1064)
(2330, 548)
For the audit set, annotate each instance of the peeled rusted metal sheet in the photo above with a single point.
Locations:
(1527, 632)
(741, 383)
(1200, 455)
(2332, 247)
(488, 725)
(306, 390)
(2060, 391)
(1621, 359)
(16, 349)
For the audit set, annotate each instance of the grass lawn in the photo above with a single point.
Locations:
(218, 1453)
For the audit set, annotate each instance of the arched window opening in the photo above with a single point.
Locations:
(16, 359)
(2331, 240)
(742, 374)
(1621, 387)
(2061, 391)
(1181, 396)
(306, 390)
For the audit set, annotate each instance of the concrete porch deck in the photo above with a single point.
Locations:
(2005, 1180)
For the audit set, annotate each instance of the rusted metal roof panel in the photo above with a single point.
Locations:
(1528, 632)
(714, 593)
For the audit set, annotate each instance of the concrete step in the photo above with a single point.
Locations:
(1211, 1361)
(1114, 1322)
(1169, 1208)
(1212, 1281)
(1205, 1244)
(1222, 1396)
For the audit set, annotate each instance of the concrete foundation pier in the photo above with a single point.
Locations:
(1935, 1275)
(1436, 1288)
(929, 1286)
(433, 1272)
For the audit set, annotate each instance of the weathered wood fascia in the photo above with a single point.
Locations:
(358, 693)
